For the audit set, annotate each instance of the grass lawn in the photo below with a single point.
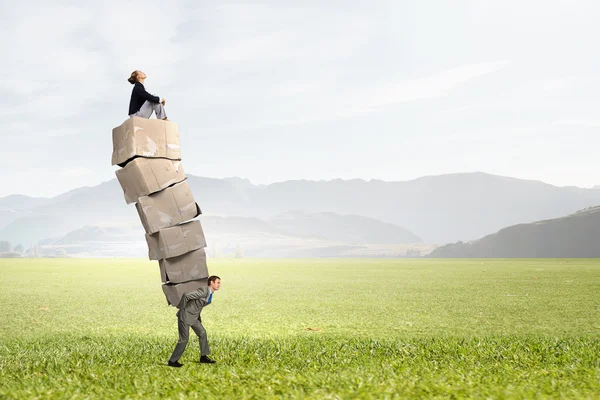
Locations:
(326, 328)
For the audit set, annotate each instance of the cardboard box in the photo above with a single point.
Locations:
(145, 138)
(175, 241)
(174, 291)
(144, 176)
(167, 208)
(187, 267)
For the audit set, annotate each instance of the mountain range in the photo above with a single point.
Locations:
(432, 210)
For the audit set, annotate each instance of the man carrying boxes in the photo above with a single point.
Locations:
(188, 316)
(152, 177)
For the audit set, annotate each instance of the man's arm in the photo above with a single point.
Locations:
(197, 294)
(140, 91)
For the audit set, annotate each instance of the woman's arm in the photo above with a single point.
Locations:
(139, 90)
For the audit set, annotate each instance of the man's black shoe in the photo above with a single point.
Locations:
(175, 364)
(206, 360)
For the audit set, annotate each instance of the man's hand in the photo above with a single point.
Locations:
(163, 102)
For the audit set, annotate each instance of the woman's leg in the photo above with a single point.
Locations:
(159, 110)
(146, 110)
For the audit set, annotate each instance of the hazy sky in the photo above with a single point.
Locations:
(278, 90)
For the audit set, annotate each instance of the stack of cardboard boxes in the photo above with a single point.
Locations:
(152, 176)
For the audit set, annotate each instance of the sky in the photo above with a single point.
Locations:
(279, 90)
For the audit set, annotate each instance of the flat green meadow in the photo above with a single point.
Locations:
(310, 328)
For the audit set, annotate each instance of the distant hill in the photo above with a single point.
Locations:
(436, 209)
(21, 202)
(576, 235)
(96, 241)
(253, 237)
(353, 229)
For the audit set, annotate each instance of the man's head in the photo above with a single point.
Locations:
(136, 76)
(214, 283)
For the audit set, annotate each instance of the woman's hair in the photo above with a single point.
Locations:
(133, 78)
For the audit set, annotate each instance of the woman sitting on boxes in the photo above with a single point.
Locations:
(143, 103)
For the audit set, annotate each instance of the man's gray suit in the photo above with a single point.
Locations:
(190, 307)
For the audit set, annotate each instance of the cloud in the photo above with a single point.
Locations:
(75, 171)
(433, 86)
(352, 102)
(578, 122)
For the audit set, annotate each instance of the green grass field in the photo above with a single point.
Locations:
(78, 328)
